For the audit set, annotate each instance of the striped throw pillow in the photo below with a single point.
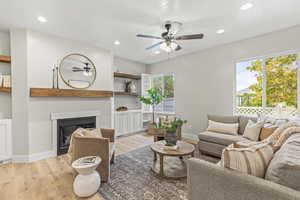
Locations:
(253, 160)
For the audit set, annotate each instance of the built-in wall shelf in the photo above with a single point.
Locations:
(125, 93)
(49, 92)
(5, 59)
(5, 89)
(124, 75)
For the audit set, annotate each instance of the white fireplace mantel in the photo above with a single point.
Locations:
(65, 115)
(56, 116)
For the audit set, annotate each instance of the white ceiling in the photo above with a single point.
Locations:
(101, 22)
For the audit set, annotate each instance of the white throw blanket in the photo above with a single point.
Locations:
(282, 133)
(84, 132)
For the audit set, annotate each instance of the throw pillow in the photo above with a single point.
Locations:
(252, 130)
(266, 131)
(253, 160)
(231, 129)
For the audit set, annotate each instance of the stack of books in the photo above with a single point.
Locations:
(5, 80)
(171, 148)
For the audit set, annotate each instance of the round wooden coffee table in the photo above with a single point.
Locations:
(171, 163)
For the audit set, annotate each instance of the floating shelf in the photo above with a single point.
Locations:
(5, 59)
(49, 92)
(125, 93)
(5, 89)
(124, 75)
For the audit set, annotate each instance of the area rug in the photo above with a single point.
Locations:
(132, 179)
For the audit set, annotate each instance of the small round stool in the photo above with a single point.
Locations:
(88, 181)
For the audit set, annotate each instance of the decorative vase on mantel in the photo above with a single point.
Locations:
(171, 138)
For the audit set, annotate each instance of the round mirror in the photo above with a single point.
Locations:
(77, 71)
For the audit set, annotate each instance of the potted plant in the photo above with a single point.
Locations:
(155, 98)
(171, 131)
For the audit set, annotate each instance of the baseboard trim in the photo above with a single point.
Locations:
(33, 157)
(20, 159)
(41, 156)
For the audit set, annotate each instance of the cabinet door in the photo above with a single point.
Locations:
(5, 140)
(146, 85)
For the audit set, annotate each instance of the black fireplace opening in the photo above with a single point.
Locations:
(65, 128)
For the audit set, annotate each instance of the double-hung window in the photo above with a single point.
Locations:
(268, 86)
(164, 83)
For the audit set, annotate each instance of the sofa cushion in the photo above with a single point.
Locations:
(284, 168)
(252, 130)
(223, 119)
(243, 121)
(266, 131)
(220, 138)
(226, 128)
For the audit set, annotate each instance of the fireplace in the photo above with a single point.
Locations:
(65, 128)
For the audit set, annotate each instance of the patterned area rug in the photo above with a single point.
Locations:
(132, 179)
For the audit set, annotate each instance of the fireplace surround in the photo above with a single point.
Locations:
(65, 128)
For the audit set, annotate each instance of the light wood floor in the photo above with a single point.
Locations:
(53, 178)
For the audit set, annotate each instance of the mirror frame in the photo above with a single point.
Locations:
(66, 82)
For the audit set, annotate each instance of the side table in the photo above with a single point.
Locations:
(88, 181)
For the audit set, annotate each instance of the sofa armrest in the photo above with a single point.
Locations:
(108, 133)
(211, 182)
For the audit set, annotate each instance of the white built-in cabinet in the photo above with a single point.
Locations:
(130, 121)
(5, 141)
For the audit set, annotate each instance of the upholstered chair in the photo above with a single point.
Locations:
(103, 147)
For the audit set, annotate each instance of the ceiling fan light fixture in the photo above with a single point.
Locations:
(168, 47)
(87, 73)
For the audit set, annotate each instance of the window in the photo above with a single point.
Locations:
(267, 86)
(164, 83)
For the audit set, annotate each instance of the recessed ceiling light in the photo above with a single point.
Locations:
(220, 31)
(164, 3)
(156, 52)
(246, 6)
(117, 42)
(42, 19)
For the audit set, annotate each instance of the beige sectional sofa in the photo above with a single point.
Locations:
(212, 143)
(207, 181)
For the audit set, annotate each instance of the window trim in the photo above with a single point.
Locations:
(264, 57)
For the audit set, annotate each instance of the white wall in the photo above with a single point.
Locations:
(20, 92)
(43, 52)
(132, 67)
(204, 81)
(128, 66)
(5, 68)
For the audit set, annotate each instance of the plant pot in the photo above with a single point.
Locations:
(160, 132)
(151, 128)
(171, 138)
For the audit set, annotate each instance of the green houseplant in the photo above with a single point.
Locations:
(171, 131)
(155, 98)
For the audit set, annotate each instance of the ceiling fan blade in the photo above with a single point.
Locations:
(148, 36)
(178, 48)
(154, 45)
(190, 37)
(78, 70)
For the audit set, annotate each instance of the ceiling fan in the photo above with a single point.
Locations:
(86, 70)
(169, 38)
